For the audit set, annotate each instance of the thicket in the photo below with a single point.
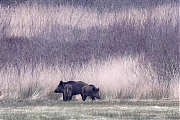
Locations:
(73, 38)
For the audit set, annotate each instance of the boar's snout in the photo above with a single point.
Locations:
(97, 95)
(55, 91)
(58, 90)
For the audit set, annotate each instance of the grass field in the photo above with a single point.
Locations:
(126, 48)
(78, 110)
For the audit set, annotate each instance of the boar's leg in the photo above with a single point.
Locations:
(84, 97)
(64, 97)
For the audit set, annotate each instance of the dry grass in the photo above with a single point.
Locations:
(128, 53)
(117, 78)
(36, 20)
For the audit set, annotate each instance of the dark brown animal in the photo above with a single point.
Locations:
(90, 90)
(76, 88)
(67, 92)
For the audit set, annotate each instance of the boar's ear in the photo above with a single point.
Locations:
(61, 82)
(97, 89)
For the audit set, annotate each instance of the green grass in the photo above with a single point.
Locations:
(52, 110)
